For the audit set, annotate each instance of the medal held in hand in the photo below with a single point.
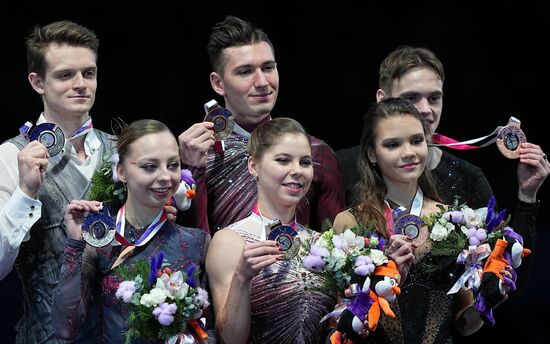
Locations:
(221, 117)
(288, 239)
(98, 229)
(48, 134)
(510, 138)
(413, 227)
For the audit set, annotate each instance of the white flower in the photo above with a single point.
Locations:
(173, 285)
(474, 218)
(155, 297)
(322, 242)
(115, 159)
(378, 257)
(439, 232)
(337, 259)
(348, 241)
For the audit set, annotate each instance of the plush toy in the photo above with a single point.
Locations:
(185, 193)
(494, 285)
(515, 243)
(364, 310)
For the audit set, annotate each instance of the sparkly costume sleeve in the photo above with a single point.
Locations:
(457, 177)
(71, 296)
(328, 198)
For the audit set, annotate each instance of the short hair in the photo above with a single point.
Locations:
(267, 134)
(403, 59)
(60, 32)
(230, 32)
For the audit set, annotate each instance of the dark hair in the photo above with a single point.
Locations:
(267, 133)
(61, 32)
(370, 191)
(136, 130)
(403, 59)
(232, 31)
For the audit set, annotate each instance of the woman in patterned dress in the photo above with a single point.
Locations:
(260, 289)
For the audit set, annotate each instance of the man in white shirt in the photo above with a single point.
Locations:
(35, 187)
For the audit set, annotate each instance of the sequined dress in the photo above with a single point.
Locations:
(286, 301)
(424, 297)
(423, 310)
(90, 269)
(226, 192)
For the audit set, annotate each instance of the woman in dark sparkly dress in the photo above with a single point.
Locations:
(260, 289)
(149, 165)
(394, 154)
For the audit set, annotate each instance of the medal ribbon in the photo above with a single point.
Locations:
(83, 130)
(439, 140)
(263, 235)
(152, 229)
(219, 146)
(416, 208)
(25, 128)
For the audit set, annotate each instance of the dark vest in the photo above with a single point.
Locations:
(39, 260)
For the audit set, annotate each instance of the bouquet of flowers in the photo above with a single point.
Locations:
(482, 241)
(105, 186)
(355, 265)
(163, 304)
(345, 258)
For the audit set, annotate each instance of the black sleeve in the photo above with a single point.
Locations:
(524, 223)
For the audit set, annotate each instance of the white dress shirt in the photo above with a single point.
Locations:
(19, 212)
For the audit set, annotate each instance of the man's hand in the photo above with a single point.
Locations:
(195, 143)
(32, 163)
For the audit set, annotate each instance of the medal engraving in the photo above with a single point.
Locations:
(510, 138)
(50, 136)
(98, 229)
(413, 227)
(288, 240)
(221, 117)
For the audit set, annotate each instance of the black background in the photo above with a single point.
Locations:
(153, 64)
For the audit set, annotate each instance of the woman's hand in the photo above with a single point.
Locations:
(257, 256)
(75, 213)
(400, 249)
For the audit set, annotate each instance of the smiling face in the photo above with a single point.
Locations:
(400, 149)
(152, 172)
(284, 172)
(249, 81)
(68, 86)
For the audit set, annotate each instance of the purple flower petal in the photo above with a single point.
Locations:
(314, 263)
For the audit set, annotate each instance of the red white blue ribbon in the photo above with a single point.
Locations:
(153, 228)
(83, 130)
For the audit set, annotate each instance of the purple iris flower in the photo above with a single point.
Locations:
(191, 279)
